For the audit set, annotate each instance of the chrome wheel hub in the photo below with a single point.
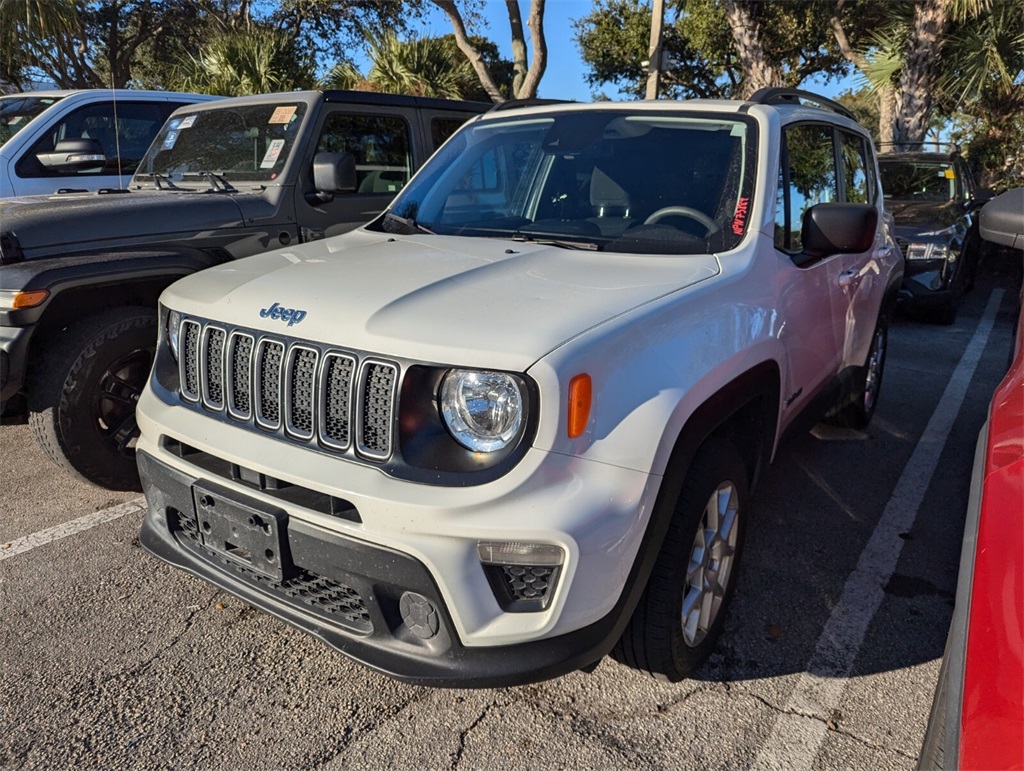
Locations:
(710, 567)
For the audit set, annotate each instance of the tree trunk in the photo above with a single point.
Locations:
(468, 49)
(758, 70)
(519, 64)
(919, 76)
(539, 61)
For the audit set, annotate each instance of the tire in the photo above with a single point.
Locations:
(859, 397)
(681, 613)
(82, 395)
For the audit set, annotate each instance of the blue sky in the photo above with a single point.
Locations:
(564, 77)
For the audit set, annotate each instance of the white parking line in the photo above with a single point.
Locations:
(63, 530)
(799, 732)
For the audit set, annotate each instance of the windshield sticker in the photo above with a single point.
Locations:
(187, 122)
(273, 153)
(170, 139)
(950, 174)
(283, 114)
(740, 219)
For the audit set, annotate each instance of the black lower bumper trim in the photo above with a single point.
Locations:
(373, 632)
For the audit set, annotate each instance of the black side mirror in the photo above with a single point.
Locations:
(72, 155)
(838, 228)
(333, 173)
(983, 195)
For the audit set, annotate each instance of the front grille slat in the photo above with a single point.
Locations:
(297, 390)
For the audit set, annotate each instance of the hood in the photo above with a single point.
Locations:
(448, 300)
(914, 217)
(75, 222)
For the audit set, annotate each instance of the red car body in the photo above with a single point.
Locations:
(977, 719)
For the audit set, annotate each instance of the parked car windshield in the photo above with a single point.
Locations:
(614, 180)
(208, 148)
(17, 110)
(906, 180)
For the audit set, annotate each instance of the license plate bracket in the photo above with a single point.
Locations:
(247, 533)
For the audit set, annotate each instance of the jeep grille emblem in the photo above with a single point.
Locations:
(291, 315)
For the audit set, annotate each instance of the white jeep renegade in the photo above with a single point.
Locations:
(512, 425)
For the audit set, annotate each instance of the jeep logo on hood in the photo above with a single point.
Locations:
(291, 315)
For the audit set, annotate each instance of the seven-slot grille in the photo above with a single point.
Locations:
(295, 388)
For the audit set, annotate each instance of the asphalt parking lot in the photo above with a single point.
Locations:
(111, 659)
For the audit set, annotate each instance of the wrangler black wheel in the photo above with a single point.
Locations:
(83, 393)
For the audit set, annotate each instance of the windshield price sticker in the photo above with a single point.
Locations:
(283, 114)
(187, 122)
(273, 153)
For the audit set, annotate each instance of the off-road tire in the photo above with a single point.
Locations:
(82, 393)
(859, 396)
(655, 641)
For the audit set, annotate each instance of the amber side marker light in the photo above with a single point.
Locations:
(17, 300)
(580, 396)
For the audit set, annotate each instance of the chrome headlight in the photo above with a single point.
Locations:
(173, 326)
(482, 409)
(927, 252)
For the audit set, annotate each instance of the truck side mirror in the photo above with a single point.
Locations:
(333, 173)
(838, 228)
(1002, 219)
(72, 155)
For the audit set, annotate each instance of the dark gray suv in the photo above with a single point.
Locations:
(934, 199)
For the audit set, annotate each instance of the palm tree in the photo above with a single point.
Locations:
(24, 25)
(253, 61)
(937, 53)
(421, 66)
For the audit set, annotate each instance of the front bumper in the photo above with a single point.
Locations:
(14, 343)
(352, 595)
(383, 537)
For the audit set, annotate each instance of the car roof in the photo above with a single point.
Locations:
(121, 93)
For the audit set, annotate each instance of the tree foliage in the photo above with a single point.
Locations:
(715, 48)
(122, 43)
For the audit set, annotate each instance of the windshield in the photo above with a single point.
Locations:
(218, 147)
(654, 183)
(16, 112)
(918, 180)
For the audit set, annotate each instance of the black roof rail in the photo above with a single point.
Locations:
(511, 104)
(779, 95)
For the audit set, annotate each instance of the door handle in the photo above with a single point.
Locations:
(885, 252)
(847, 277)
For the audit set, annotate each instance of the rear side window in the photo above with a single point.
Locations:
(857, 179)
(441, 129)
(124, 130)
(380, 144)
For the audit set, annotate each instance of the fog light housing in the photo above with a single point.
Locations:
(522, 575)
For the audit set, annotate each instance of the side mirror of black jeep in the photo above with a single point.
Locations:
(837, 228)
(982, 195)
(333, 173)
(72, 155)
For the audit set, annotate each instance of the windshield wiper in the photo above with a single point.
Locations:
(589, 246)
(158, 179)
(216, 179)
(414, 226)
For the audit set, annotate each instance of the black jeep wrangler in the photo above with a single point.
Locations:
(934, 199)
(80, 274)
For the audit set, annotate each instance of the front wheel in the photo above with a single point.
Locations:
(682, 611)
(83, 392)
